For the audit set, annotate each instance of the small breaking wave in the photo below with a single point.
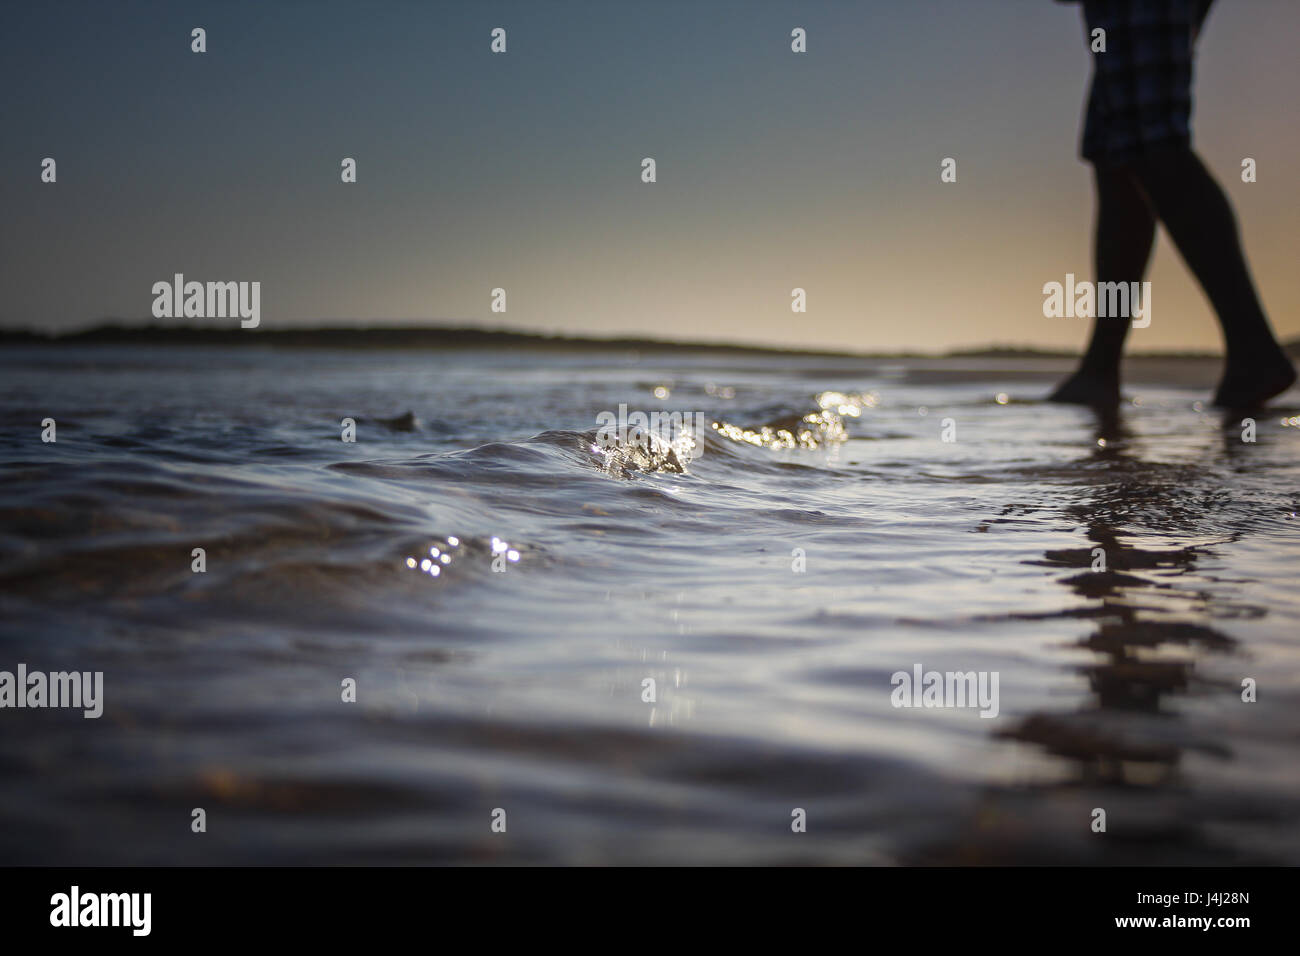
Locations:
(672, 447)
(810, 430)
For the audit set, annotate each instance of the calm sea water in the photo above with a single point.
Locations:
(770, 592)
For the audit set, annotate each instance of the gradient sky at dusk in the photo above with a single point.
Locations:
(522, 170)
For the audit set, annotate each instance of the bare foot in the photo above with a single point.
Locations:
(1083, 389)
(1250, 385)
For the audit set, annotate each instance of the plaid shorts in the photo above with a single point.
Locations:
(1141, 93)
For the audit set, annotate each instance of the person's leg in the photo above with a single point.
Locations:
(1125, 234)
(1200, 220)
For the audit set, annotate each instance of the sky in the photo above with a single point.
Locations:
(522, 170)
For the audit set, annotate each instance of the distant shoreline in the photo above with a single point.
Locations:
(467, 337)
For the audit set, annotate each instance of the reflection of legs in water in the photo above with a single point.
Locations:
(1200, 221)
(1126, 231)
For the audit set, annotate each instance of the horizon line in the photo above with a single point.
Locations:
(117, 331)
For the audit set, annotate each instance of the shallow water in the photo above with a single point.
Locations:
(521, 688)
